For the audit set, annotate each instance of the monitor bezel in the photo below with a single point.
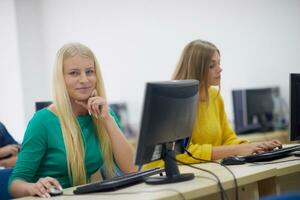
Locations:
(294, 134)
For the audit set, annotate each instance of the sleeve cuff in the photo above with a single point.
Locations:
(206, 152)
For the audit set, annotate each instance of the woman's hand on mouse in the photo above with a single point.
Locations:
(42, 187)
(96, 106)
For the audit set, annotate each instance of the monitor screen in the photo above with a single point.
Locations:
(294, 129)
(42, 104)
(168, 118)
(254, 109)
(260, 107)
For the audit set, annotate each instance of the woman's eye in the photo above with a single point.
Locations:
(90, 72)
(73, 73)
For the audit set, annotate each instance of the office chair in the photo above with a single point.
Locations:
(285, 196)
(4, 177)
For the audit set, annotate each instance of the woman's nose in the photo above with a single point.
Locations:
(220, 69)
(83, 77)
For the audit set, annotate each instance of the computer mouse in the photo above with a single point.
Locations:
(296, 153)
(54, 191)
(278, 147)
(233, 160)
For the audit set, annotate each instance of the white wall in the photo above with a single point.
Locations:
(139, 40)
(11, 98)
(33, 67)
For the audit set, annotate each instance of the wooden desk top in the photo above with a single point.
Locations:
(202, 185)
(281, 135)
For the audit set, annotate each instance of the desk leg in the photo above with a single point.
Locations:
(268, 187)
(288, 183)
(246, 192)
(249, 191)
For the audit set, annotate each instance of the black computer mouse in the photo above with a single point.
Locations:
(296, 153)
(233, 160)
(276, 148)
(55, 192)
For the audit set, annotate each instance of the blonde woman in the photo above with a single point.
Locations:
(212, 136)
(74, 137)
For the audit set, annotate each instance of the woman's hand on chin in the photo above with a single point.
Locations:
(96, 106)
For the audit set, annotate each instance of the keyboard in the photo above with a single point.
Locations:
(272, 155)
(117, 182)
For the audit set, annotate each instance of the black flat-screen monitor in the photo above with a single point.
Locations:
(42, 104)
(254, 109)
(294, 128)
(167, 119)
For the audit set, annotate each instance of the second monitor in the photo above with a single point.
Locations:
(168, 117)
(258, 109)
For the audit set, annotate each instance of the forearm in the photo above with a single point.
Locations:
(9, 162)
(219, 152)
(2, 154)
(20, 188)
(123, 151)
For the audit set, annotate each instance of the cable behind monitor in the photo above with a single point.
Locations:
(222, 193)
(211, 161)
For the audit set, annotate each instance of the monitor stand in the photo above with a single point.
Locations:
(172, 172)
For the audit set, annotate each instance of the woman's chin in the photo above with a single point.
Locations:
(215, 84)
(82, 98)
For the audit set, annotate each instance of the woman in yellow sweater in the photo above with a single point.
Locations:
(212, 136)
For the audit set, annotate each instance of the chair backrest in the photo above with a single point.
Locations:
(4, 177)
(41, 104)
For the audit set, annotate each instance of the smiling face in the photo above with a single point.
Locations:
(214, 73)
(80, 77)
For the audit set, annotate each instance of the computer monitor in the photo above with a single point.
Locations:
(294, 127)
(254, 109)
(167, 119)
(42, 104)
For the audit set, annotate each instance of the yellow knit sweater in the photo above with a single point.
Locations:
(211, 128)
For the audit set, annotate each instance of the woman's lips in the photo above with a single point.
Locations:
(83, 88)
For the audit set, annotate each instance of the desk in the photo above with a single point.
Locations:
(281, 135)
(288, 176)
(254, 181)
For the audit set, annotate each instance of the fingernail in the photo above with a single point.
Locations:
(48, 195)
(60, 188)
(89, 112)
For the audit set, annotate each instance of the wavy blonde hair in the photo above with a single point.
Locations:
(194, 63)
(70, 127)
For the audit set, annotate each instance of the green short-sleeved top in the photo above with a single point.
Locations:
(43, 151)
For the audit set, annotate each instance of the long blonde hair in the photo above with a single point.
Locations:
(70, 127)
(194, 63)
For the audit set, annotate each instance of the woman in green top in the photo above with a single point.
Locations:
(70, 140)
